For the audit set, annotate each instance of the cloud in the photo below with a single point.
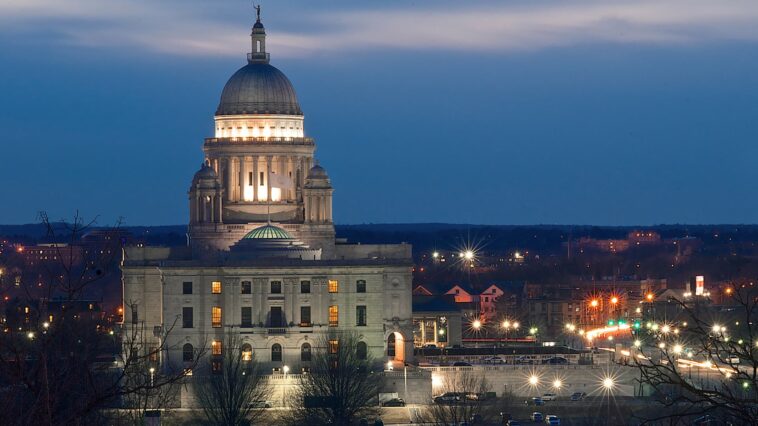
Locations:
(202, 28)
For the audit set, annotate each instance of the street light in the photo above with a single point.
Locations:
(557, 383)
(637, 343)
(476, 324)
(716, 328)
(665, 329)
(614, 300)
(30, 335)
(152, 375)
(286, 369)
(534, 380)
(608, 383)
(594, 303)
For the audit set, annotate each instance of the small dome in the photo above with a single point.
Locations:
(268, 231)
(206, 172)
(317, 172)
(258, 88)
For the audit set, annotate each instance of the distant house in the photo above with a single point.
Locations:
(472, 299)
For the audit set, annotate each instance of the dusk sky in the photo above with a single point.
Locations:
(628, 112)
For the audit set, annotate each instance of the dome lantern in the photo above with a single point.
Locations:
(258, 53)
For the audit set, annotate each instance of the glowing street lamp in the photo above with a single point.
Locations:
(533, 331)
(506, 324)
(435, 255)
(665, 329)
(468, 255)
(594, 303)
(30, 335)
(557, 383)
(286, 369)
(534, 380)
(637, 343)
(476, 324)
(608, 383)
(614, 300)
(516, 325)
(649, 297)
(716, 328)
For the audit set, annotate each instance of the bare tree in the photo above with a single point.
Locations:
(710, 366)
(62, 360)
(342, 383)
(232, 389)
(461, 399)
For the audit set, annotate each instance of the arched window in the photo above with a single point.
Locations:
(305, 352)
(361, 350)
(276, 353)
(188, 353)
(247, 352)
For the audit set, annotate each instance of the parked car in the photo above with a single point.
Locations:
(549, 397)
(523, 360)
(461, 364)
(537, 417)
(552, 419)
(556, 360)
(430, 346)
(394, 402)
(578, 396)
(447, 398)
(538, 401)
(259, 404)
(513, 423)
(494, 360)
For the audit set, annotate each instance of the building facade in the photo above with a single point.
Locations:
(262, 261)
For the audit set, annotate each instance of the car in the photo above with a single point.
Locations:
(447, 398)
(549, 397)
(556, 360)
(513, 423)
(578, 396)
(461, 364)
(552, 419)
(430, 346)
(259, 404)
(523, 360)
(394, 402)
(538, 401)
(536, 416)
(494, 360)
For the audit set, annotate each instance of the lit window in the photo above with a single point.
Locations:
(333, 316)
(216, 316)
(333, 286)
(216, 287)
(216, 348)
(247, 352)
(334, 346)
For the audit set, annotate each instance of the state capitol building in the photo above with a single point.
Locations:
(262, 260)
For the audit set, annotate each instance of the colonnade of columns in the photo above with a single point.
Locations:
(206, 208)
(246, 177)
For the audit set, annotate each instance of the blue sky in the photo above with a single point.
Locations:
(582, 112)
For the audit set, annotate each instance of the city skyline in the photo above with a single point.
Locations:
(636, 113)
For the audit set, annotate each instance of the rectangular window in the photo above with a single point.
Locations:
(247, 287)
(305, 287)
(276, 287)
(305, 316)
(360, 286)
(216, 348)
(333, 316)
(216, 366)
(135, 317)
(260, 180)
(187, 317)
(216, 287)
(216, 316)
(334, 346)
(246, 317)
(187, 287)
(250, 179)
(360, 315)
(334, 286)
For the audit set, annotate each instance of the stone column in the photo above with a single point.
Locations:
(228, 179)
(219, 209)
(255, 178)
(269, 158)
(281, 171)
(244, 172)
(292, 174)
